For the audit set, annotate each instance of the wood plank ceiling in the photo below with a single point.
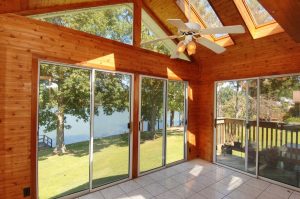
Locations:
(287, 14)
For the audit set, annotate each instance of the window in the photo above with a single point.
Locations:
(258, 13)
(207, 14)
(151, 31)
(112, 22)
(259, 22)
(203, 14)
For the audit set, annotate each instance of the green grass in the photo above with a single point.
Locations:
(61, 175)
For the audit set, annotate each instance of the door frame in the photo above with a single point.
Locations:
(164, 165)
(130, 136)
(92, 70)
(256, 175)
(257, 79)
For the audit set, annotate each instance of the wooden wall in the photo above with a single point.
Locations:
(22, 42)
(271, 55)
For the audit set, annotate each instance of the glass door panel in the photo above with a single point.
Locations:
(64, 130)
(175, 137)
(236, 124)
(152, 123)
(279, 129)
(112, 116)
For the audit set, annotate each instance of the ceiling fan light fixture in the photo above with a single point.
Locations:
(191, 51)
(191, 46)
(181, 47)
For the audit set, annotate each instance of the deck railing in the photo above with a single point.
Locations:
(45, 140)
(285, 137)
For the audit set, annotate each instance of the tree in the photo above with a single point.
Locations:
(109, 22)
(112, 92)
(175, 99)
(63, 90)
(148, 35)
(152, 92)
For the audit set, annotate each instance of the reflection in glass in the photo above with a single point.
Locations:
(64, 130)
(152, 123)
(175, 121)
(236, 124)
(111, 132)
(279, 148)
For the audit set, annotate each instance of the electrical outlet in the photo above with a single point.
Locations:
(26, 191)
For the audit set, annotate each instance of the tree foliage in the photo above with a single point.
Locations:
(175, 99)
(63, 90)
(148, 35)
(276, 99)
(260, 15)
(112, 92)
(152, 93)
(110, 22)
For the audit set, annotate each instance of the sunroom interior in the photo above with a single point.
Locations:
(139, 99)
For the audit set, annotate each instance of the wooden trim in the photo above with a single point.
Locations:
(57, 8)
(222, 41)
(135, 125)
(256, 31)
(34, 129)
(137, 22)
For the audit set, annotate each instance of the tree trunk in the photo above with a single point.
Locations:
(152, 122)
(60, 137)
(172, 118)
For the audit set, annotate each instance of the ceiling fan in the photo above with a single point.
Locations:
(191, 32)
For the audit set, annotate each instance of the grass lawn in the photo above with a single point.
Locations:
(69, 173)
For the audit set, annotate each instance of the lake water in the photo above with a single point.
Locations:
(104, 126)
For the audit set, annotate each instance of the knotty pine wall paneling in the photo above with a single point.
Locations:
(22, 42)
(271, 55)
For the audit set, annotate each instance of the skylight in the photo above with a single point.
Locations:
(259, 22)
(150, 31)
(207, 14)
(112, 22)
(258, 13)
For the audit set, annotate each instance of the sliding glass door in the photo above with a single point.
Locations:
(279, 148)
(258, 123)
(152, 123)
(176, 121)
(83, 129)
(64, 130)
(162, 123)
(111, 127)
(236, 123)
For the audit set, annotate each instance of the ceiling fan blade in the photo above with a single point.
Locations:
(161, 39)
(223, 30)
(179, 24)
(175, 54)
(211, 45)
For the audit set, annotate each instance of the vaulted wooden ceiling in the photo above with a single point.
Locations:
(287, 13)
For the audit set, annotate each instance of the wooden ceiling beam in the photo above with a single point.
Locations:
(287, 14)
(137, 23)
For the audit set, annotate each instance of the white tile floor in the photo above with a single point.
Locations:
(195, 179)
